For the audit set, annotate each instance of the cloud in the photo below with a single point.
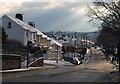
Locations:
(52, 5)
(41, 5)
(9, 5)
(52, 16)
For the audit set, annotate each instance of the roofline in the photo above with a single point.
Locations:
(18, 24)
(56, 42)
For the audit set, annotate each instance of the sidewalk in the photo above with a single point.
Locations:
(48, 64)
(28, 69)
(60, 63)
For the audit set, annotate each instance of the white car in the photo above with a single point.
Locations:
(76, 60)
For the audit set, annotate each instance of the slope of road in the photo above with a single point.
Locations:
(97, 70)
(98, 63)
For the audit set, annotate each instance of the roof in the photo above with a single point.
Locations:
(56, 42)
(38, 32)
(32, 29)
(22, 24)
(48, 38)
(44, 36)
(61, 41)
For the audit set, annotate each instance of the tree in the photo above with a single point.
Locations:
(4, 36)
(107, 38)
(109, 15)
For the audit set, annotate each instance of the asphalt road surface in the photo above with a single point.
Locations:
(97, 70)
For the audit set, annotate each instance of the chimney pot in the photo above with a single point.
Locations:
(19, 16)
(32, 24)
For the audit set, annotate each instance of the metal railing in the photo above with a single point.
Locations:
(53, 55)
(22, 51)
(35, 56)
(31, 58)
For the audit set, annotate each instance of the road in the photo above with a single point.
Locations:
(97, 70)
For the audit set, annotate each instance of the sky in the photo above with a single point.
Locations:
(51, 15)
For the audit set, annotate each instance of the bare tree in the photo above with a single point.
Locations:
(108, 13)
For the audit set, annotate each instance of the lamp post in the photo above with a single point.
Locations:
(29, 45)
(75, 40)
(27, 58)
(57, 55)
(75, 43)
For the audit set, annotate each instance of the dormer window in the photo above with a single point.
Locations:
(9, 25)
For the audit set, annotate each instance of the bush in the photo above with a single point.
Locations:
(13, 47)
(16, 43)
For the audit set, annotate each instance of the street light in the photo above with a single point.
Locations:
(27, 58)
(29, 45)
(57, 55)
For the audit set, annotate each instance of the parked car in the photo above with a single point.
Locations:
(76, 60)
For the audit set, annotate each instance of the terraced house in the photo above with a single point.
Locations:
(23, 32)
(18, 30)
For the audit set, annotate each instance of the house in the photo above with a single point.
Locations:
(18, 30)
(23, 32)
(56, 45)
(41, 38)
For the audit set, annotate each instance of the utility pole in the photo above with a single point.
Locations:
(75, 43)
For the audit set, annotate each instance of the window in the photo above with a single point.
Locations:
(30, 36)
(34, 35)
(9, 25)
(26, 33)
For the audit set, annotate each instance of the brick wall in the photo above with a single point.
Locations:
(10, 61)
(39, 62)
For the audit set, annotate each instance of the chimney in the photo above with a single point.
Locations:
(19, 16)
(32, 24)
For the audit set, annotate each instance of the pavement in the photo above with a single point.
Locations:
(28, 69)
(48, 64)
(60, 63)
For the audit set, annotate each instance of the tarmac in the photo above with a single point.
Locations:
(97, 64)
(48, 64)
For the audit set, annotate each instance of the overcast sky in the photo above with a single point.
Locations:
(51, 16)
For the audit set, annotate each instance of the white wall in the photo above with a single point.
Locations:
(29, 37)
(16, 32)
(26, 38)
